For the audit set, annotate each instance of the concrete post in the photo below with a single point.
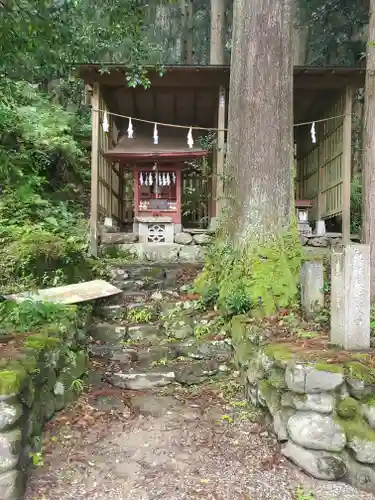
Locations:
(350, 297)
(312, 282)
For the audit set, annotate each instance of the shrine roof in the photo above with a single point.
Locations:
(216, 75)
(142, 146)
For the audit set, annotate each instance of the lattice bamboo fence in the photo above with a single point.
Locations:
(319, 171)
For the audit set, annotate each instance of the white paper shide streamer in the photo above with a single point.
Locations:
(313, 133)
(130, 129)
(156, 136)
(105, 123)
(190, 139)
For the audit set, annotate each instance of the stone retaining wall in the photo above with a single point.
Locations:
(35, 382)
(322, 414)
(188, 246)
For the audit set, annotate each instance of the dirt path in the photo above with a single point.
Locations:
(171, 445)
(121, 441)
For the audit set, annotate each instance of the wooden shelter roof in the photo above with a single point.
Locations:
(305, 77)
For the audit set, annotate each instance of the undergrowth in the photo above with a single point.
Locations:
(29, 314)
(44, 171)
(257, 278)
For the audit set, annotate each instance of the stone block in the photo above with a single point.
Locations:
(368, 411)
(10, 449)
(118, 238)
(108, 332)
(280, 420)
(364, 450)
(319, 464)
(183, 238)
(160, 252)
(320, 402)
(156, 230)
(196, 373)
(191, 254)
(359, 475)
(306, 379)
(350, 297)
(202, 239)
(316, 432)
(9, 414)
(11, 485)
(139, 381)
(312, 283)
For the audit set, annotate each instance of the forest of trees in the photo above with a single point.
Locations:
(45, 125)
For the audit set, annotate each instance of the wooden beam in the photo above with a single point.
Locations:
(346, 164)
(220, 152)
(93, 247)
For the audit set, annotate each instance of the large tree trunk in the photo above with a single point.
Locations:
(368, 176)
(260, 139)
(217, 52)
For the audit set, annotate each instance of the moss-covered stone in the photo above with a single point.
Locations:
(40, 342)
(244, 354)
(276, 378)
(279, 352)
(269, 396)
(11, 381)
(347, 408)
(238, 329)
(360, 371)
(357, 427)
(329, 367)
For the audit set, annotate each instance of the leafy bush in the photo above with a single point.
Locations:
(42, 167)
(30, 314)
(258, 277)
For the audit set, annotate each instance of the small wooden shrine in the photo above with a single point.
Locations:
(157, 180)
(139, 164)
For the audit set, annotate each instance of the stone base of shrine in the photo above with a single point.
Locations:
(160, 252)
(155, 229)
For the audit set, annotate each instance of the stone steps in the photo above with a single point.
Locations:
(149, 338)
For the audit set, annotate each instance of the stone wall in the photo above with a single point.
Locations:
(322, 414)
(188, 247)
(37, 378)
(326, 240)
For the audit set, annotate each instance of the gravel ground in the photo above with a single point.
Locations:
(171, 446)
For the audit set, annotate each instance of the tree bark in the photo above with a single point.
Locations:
(368, 176)
(217, 44)
(260, 139)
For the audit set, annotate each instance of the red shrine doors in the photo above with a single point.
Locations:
(157, 191)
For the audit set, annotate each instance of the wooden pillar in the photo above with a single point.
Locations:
(220, 152)
(121, 190)
(93, 246)
(110, 188)
(346, 165)
(320, 159)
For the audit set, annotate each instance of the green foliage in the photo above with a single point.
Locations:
(42, 169)
(29, 314)
(139, 315)
(42, 40)
(337, 32)
(77, 386)
(257, 278)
